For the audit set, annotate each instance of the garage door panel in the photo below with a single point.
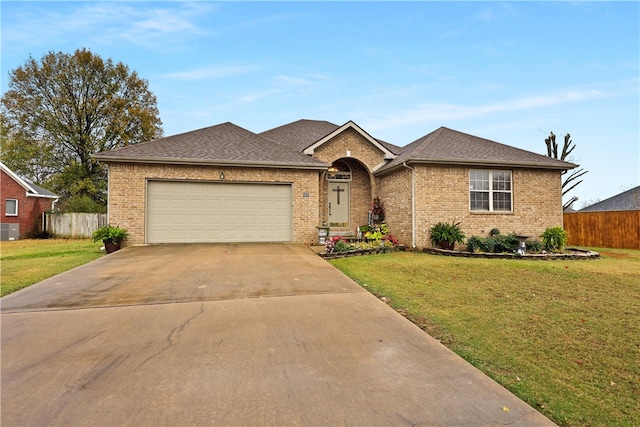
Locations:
(181, 211)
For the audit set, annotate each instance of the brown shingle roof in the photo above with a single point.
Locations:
(302, 133)
(229, 144)
(628, 200)
(225, 143)
(447, 146)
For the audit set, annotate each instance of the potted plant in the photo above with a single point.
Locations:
(111, 236)
(445, 236)
(377, 209)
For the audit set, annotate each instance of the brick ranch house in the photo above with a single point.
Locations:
(22, 205)
(227, 184)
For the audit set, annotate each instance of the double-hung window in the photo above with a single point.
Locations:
(11, 207)
(490, 190)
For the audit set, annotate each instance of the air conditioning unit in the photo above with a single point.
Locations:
(9, 231)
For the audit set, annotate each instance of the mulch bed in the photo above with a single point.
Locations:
(570, 254)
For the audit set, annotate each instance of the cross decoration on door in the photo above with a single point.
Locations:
(338, 190)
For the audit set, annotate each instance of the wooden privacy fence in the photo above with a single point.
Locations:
(73, 224)
(607, 229)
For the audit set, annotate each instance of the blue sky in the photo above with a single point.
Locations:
(507, 71)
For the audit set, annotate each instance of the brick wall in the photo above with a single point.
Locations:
(127, 193)
(29, 208)
(442, 194)
(395, 192)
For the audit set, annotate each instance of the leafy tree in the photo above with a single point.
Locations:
(568, 146)
(61, 110)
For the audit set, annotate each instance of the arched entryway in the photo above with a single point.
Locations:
(346, 190)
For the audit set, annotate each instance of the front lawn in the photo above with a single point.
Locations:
(564, 336)
(25, 262)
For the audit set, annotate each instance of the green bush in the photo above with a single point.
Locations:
(554, 239)
(474, 243)
(342, 246)
(534, 246)
(500, 243)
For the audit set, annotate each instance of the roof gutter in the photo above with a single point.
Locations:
(216, 163)
(44, 196)
(484, 163)
(413, 204)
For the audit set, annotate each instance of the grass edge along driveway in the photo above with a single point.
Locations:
(29, 261)
(561, 335)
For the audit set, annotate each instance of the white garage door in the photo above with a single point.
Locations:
(183, 211)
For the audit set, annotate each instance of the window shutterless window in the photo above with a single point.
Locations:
(11, 207)
(490, 190)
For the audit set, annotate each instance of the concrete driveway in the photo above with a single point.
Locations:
(247, 334)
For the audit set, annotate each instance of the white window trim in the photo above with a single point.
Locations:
(5, 207)
(491, 191)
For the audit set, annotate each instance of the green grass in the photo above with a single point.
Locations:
(564, 336)
(25, 262)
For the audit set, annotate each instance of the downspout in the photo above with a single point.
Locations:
(413, 204)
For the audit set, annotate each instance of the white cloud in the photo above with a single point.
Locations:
(497, 12)
(161, 26)
(212, 72)
(443, 112)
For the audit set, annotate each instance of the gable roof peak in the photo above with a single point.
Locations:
(388, 154)
(31, 188)
(452, 147)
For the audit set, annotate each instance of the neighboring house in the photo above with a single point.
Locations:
(626, 201)
(227, 184)
(23, 203)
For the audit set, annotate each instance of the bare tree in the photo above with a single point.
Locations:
(569, 181)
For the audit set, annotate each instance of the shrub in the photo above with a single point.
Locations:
(489, 245)
(494, 232)
(501, 244)
(534, 246)
(510, 243)
(342, 246)
(474, 243)
(554, 239)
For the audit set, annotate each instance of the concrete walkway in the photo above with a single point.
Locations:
(254, 334)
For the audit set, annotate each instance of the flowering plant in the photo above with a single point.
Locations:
(336, 244)
(377, 207)
(391, 239)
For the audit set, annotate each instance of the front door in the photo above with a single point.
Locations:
(339, 203)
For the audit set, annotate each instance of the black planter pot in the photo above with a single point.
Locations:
(446, 245)
(111, 246)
